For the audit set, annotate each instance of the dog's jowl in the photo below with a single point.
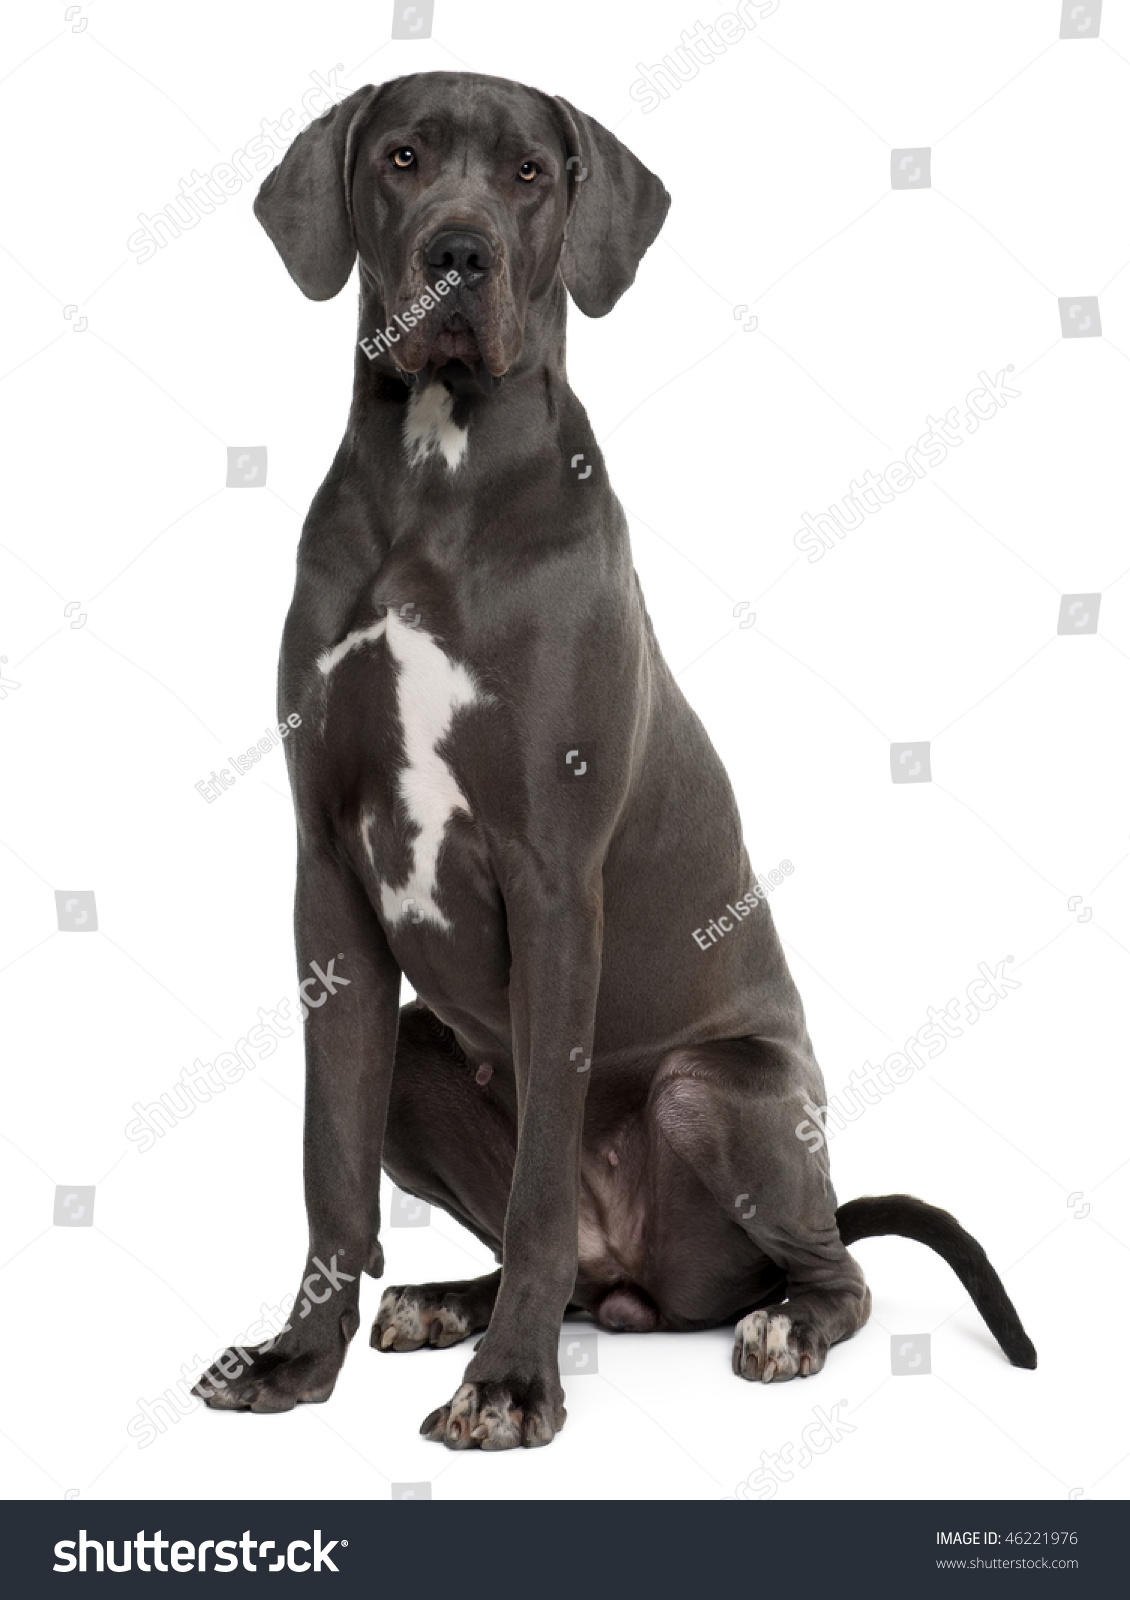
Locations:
(503, 796)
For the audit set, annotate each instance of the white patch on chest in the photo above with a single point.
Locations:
(329, 659)
(428, 427)
(431, 689)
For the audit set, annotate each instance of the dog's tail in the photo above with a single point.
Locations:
(902, 1214)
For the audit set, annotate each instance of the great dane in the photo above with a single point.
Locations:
(502, 794)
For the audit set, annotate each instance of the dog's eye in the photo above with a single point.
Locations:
(528, 171)
(405, 157)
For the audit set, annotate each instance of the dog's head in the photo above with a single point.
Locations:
(476, 183)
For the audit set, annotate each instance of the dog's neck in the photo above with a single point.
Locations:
(449, 425)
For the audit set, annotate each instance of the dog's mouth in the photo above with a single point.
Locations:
(467, 335)
(455, 340)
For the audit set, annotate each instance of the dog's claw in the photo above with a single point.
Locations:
(427, 1427)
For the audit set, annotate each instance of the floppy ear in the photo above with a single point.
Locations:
(304, 204)
(616, 209)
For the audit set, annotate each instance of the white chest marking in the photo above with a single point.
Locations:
(431, 689)
(428, 427)
(329, 659)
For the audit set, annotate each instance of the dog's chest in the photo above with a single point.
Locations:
(406, 694)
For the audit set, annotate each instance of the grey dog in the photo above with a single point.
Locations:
(502, 794)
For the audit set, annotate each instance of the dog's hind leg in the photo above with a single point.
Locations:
(449, 1140)
(729, 1111)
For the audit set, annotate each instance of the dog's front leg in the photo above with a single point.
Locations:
(511, 1393)
(351, 986)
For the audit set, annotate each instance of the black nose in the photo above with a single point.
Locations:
(458, 249)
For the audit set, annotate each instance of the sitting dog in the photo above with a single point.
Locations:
(502, 794)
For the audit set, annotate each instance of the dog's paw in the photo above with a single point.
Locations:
(410, 1318)
(271, 1378)
(498, 1416)
(770, 1346)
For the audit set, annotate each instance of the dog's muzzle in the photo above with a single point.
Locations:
(468, 319)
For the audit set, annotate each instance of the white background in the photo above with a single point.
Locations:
(936, 620)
